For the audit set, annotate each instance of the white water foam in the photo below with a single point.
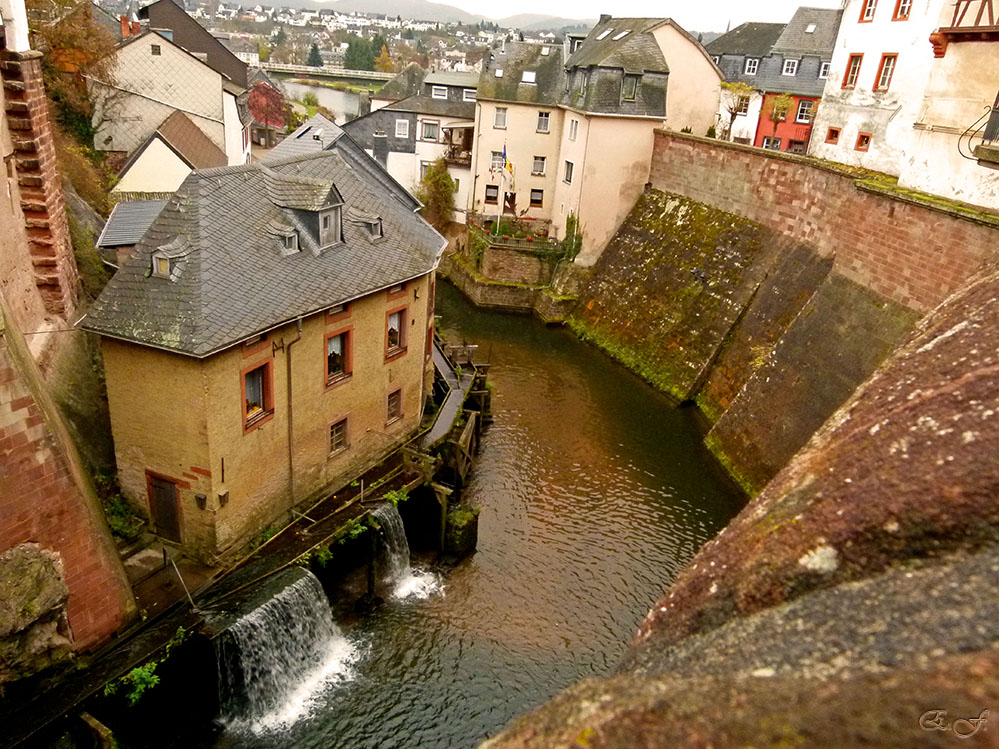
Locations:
(277, 661)
(406, 582)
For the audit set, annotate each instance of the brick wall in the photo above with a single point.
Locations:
(44, 499)
(904, 246)
(510, 265)
(27, 112)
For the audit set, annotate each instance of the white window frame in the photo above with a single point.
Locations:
(573, 129)
(402, 128)
(741, 111)
(808, 111)
(495, 199)
(499, 118)
(423, 131)
(438, 92)
(824, 69)
(530, 199)
(534, 166)
(868, 10)
(468, 94)
(790, 67)
(157, 269)
(545, 117)
(568, 171)
(496, 160)
(529, 76)
(770, 140)
(752, 66)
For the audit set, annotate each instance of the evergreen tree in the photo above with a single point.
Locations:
(315, 59)
(436, 192)
(358, 55)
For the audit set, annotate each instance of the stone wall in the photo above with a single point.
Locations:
(46, 499)
(754, 327)
(511, 265)
(27, 115)
(912, 248)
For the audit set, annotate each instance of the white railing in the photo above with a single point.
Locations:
(280, 67)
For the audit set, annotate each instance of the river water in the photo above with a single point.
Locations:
(344, 104)
(594, 491)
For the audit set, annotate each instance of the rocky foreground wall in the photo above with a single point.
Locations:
(852, 602)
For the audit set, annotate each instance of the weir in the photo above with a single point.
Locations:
(397, 569)
(276, 658)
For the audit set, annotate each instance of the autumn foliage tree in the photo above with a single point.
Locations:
(267, 107)
(779, 108)
(436, 192)
(383, 63)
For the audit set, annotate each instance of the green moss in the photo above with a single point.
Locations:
(745, 483)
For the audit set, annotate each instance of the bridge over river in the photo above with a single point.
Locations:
(340, 74)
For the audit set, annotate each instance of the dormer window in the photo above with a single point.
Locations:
(161, 266)
(329, 226)
(376, 230)
(630, 87)
(290, 242)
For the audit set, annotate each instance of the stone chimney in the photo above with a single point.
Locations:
(380, 149)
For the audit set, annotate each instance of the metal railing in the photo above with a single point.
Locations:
(330, 72)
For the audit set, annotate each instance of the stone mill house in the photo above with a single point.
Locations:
(267, 340)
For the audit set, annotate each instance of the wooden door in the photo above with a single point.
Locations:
(164, 505)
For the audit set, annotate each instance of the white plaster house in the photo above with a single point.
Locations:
(876, 83)
(154, 79)
(961, 94)
(740, 53)
(576, 121)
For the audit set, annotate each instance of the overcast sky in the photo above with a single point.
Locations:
(700, 15)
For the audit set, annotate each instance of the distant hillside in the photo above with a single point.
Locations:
(541, 22)
(421, 10)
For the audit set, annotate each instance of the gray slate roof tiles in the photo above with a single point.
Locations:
(230, 279)
(798, 40)
(750, 39)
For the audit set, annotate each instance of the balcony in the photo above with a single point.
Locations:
(458, 155)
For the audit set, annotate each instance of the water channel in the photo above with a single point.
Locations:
(594, 491)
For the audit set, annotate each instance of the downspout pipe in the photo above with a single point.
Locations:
(291, 430)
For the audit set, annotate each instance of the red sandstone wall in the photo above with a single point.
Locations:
(27, 113)
(45, 500)
(911, 253)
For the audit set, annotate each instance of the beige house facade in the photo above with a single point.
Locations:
(576, 120)
(265, 342)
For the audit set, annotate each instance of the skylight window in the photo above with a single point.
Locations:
(620, 36)
(545, 51)
(499, 72)
(810, 28)
(603, 34)
(528, 77)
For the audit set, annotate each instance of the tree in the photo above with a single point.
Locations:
(309, 99)
(263, 50)
(780, 105)
(436, 192)
(358, 55)
(383, 63)
(377, 43)
(267, 107)
(735, 96)
(315, 59)
(280, 37)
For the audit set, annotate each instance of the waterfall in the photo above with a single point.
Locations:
(276, 659)
(396, 563)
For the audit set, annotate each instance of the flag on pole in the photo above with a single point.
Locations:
(509, 167)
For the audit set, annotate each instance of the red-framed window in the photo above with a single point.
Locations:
(832, 136)
(863, 142)
(882, 81)
(902, 10)
(396, 321)
(397, 292)
(339, 352)
(338, 313)
(867, 8)
(255, 344)
(853, 71)
(257, 384)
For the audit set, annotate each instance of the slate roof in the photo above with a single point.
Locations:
(128, 222)
(513, 59)
(302, 140)
(431, 106)
(447, 78)
(797, 41)
(637, 51)
(749, 39)
(231, 280)
(407, 82)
